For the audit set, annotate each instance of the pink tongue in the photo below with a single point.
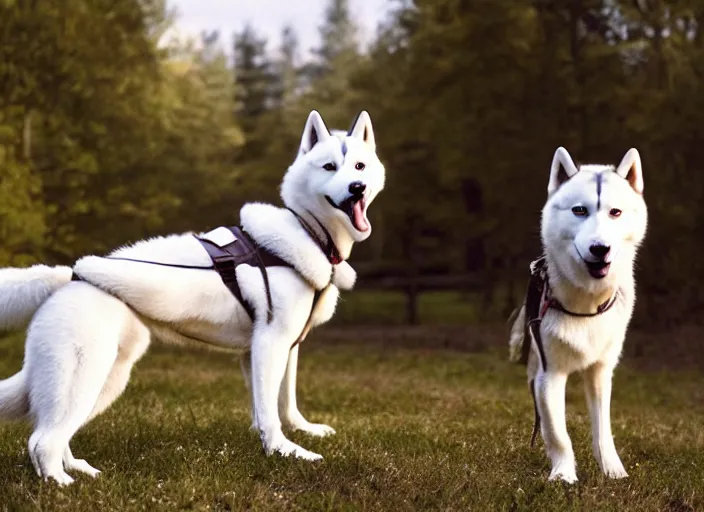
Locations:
(359, 221)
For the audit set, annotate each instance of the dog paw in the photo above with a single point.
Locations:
(315, 429)
(63, 479)
(289, 449)
(82, 466)
(569, 478)
(615, 470)
(564, 471)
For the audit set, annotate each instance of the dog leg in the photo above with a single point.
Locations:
(270, 349)
(133, 344)
(64, 401)
(288, 408)
(597, 388)
(246, 367)
(550, 394)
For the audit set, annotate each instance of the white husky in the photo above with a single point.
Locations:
(85, 336)
(592, 224)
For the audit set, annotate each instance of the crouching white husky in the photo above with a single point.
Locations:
(580, 299)
(85, 335)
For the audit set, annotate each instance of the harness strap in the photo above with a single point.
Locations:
(309, 323)
(329, 248)
(534, 296)
(243, 250)
(536, 421)
(601, 308)
(225, 262)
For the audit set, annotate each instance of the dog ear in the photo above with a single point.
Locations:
(315, 131)
(362, 129)
(563, 168)
(631, 170)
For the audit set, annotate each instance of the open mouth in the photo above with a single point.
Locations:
(598, 269)
(354, 208)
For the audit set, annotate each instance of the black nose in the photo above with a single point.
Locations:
(357, 188)
(599, 250)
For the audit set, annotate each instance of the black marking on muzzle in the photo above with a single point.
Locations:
(599, 179)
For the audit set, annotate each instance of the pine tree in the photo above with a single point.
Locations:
(339, 37)
(287, 69)
(253, 78)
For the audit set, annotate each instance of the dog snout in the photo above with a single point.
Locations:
(599, 250)
(357, 188)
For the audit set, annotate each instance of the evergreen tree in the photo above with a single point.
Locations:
(253, 78)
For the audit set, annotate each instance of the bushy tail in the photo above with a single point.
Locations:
(517, 336)
(23, 290)
(14, 402)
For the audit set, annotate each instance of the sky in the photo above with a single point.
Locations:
(269, 16)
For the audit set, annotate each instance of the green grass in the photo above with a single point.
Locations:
(417, 430)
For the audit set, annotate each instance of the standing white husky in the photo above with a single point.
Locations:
(581, 299)
(84, 336)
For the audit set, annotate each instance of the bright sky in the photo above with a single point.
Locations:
(269, 16)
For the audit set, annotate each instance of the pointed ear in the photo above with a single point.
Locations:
(314, 132)
(563, 168)
(631, 170)
(362, 129)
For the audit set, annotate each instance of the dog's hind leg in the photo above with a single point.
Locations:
(133, 344)
(550, 394)
(597, 388)
(65, 396)
(55, 428)
(288, 408)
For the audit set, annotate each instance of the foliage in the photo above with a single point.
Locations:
(108, 135)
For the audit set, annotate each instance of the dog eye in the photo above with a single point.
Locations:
(330, 166)
(359, 166)
(615, 212)
(580, 211)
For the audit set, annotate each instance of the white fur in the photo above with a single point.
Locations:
(307, 182)
(25, 289)
(590, 345)
(85, 336)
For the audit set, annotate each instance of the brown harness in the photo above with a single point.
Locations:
(538, 301)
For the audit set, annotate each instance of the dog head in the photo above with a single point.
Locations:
(336, 177)
(594, 219)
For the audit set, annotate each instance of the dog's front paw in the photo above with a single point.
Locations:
(569, 478)
(614, 469)
(289, 449)
(565, 471)
(61, 478)
(315, 429)
(82, 466)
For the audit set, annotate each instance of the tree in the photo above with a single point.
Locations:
(253, 79)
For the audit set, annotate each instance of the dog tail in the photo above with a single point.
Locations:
(517, 334)
(23, 290)
(14, 398)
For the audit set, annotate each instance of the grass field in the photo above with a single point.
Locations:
(418, 429)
